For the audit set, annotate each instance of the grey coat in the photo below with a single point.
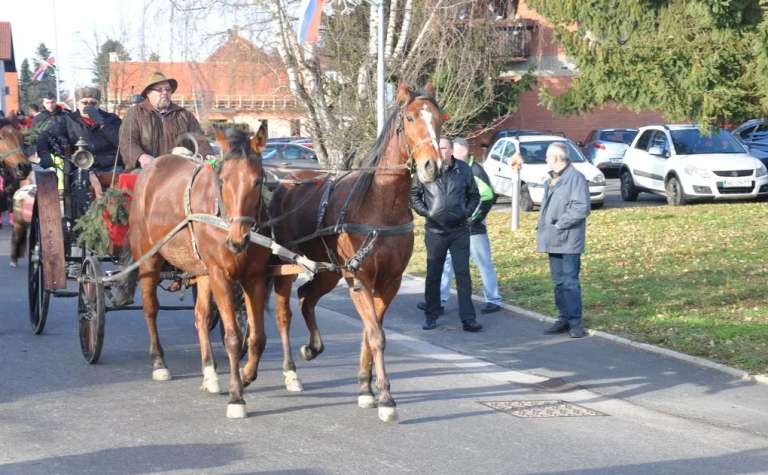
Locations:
(563, 217)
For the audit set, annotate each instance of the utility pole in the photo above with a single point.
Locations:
(57, 54)
(380, 70)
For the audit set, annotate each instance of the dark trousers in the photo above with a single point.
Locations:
(438, 245)
(564, 270)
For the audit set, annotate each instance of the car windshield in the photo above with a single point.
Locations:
(693, 142)
(536, 152)
(624, 136)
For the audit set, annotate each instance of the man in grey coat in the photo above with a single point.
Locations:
(561, 234)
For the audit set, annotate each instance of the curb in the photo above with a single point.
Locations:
(696, 360)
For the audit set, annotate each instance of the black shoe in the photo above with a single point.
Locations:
(577, 332)
(423, 307)
(560, 326)
(471, 326)
(429, 324)
(490, 308)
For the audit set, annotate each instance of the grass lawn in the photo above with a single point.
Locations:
(692, 278)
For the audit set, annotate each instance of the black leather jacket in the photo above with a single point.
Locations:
(449, 201)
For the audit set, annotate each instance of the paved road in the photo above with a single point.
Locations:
(60, 415)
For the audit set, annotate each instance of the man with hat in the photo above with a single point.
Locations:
(152, 126)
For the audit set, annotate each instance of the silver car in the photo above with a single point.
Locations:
(604, 148)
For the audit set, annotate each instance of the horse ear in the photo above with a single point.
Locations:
(429, 88)
(259, 141)
(221, 139)
(403, 94)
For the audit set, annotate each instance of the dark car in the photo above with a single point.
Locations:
(282, 158)
(754, 135)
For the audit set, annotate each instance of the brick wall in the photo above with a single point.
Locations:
(531, 115)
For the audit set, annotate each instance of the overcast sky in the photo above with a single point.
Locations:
(78, 24)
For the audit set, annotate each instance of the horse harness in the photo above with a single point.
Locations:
(220, 210)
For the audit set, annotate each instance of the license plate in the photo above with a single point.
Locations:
(737, 183)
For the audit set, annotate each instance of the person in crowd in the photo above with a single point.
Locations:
(479, 244)
(561, 234)
(447, 204)
(152, 127)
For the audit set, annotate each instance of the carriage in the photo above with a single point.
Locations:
(329, 239)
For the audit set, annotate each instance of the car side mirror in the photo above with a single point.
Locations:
(658, 151)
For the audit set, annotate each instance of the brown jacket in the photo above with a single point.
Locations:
(144, 130)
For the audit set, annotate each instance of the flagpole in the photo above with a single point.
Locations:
(57, 54)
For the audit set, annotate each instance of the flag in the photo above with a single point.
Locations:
(309, 20)
(48, 63)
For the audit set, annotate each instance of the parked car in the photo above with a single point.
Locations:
(682, 163)
(534, 172)
(289, 155)
(604, 148)
(754, 135)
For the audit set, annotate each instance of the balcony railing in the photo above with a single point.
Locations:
(230, 103)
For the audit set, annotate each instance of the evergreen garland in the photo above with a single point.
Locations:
(92, 230)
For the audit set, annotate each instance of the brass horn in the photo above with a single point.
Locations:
(82, 158)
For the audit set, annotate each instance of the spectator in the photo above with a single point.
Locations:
(447, 204)
(479, 245)
(561, 234)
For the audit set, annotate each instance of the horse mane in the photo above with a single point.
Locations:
(375, 155)
(239, 143)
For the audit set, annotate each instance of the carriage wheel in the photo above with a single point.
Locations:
(38, 297)
(241, 318)
(90, 309)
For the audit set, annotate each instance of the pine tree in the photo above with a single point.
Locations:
(699, 60)
(25, 83)
(101, 63)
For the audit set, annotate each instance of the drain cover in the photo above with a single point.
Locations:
(531, 409)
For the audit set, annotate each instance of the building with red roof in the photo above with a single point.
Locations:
(237, 83)
(9, 82)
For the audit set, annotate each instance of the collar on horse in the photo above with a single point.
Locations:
(220, 210)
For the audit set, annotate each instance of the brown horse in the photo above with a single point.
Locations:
(17, 167)
(363, 222)
(220, 259)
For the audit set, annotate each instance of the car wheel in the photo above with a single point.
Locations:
(628, 190)
(675, 195)
(526, 202)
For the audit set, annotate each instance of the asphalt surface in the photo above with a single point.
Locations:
(656, 415)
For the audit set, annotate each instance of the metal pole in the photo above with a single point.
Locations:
(516, 164)
(58, 53)
(515, 224)
(380, 71)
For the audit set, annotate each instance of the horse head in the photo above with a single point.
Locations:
(421, 121)
(12, 155)
(240, 176)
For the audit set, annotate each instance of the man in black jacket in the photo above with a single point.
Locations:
(479, 244)
(447, 203)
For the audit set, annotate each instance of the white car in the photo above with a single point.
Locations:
(682, 163)
(534, 172)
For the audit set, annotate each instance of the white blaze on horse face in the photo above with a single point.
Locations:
(426, 116)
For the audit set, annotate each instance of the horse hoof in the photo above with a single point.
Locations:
(236, 411)
(388, 414)
(366, 401)
(307, 353)
(292, 382)
(161, 374)
(210, 381)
